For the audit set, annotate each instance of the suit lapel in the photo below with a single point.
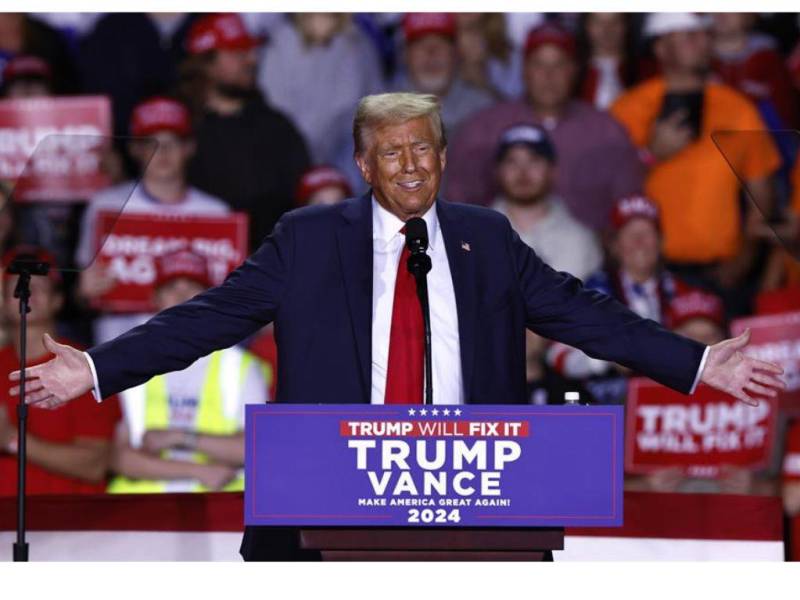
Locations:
(354, 238)
(457, 239)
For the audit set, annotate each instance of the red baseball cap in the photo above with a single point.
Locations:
(183, 263)
(222, 31)
(696, 303)
(160, 114)
(26, 66)
(28, 253)
(632, 207)
(549, 33)
(416, 25)
(320, 177)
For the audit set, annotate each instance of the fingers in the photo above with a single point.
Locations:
(51, 345)
(775, 382)
(762, 390)
(38, 396)
(30, 373)
(742, 340)
(50, 403)
(765, 366)
(747, 399)
(31, 385)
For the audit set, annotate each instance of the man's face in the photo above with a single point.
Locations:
(606, 32)
(685, 51)
(404, 166)
(638, 247)
(549, 77)
(524, 176)
(431, 62)
(169, 159)
(176, 291)
(234, 70)
(45, 300)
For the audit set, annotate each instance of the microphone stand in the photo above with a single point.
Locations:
(25, 269)
(419, 264)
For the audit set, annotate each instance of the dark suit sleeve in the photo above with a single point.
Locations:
(558, 307)
(248, 299)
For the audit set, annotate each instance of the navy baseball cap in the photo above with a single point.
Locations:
(531, 136)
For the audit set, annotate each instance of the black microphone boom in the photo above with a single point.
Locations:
(419, 264)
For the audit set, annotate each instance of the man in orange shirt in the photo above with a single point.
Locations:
(69, 448)
(671, 118)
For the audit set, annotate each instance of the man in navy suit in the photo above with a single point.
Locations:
(333, 280)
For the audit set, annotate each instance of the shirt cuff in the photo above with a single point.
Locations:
(96, 390)
(700, 370)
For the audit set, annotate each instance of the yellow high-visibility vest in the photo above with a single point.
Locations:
(147, 407)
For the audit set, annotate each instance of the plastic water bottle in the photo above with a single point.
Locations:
(572, 398)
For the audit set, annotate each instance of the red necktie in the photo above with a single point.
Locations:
(405, 370)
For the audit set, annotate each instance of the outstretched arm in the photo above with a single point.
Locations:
(558, 307)
(172, 340)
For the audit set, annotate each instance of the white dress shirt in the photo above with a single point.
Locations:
(387, 246)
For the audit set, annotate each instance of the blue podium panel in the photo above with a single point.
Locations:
(401, 465)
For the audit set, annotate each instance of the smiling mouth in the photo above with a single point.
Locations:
(411, 186)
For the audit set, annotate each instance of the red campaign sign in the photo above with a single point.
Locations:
(699, 433)
(52, 147)
(133, 241)
(776, 338)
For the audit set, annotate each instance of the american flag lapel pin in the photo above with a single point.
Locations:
(465, 247)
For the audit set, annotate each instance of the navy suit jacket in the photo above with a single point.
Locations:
(313, 277)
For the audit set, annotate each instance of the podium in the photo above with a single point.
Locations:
(396, 482)
(376, 544)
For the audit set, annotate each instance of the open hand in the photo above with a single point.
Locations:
(57, 381)
(729, 370)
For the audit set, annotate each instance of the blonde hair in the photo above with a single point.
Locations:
(393, 109)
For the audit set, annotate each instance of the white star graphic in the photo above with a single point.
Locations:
(446, 412)
(423, 411)
(457, 412)
(411, 412)
(435, 412)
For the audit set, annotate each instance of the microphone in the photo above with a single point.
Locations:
(419, 263)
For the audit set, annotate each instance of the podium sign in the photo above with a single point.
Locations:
(445, 466)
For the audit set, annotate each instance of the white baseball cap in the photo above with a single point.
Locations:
(662, 23)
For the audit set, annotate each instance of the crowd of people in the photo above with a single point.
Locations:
(596, 135)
